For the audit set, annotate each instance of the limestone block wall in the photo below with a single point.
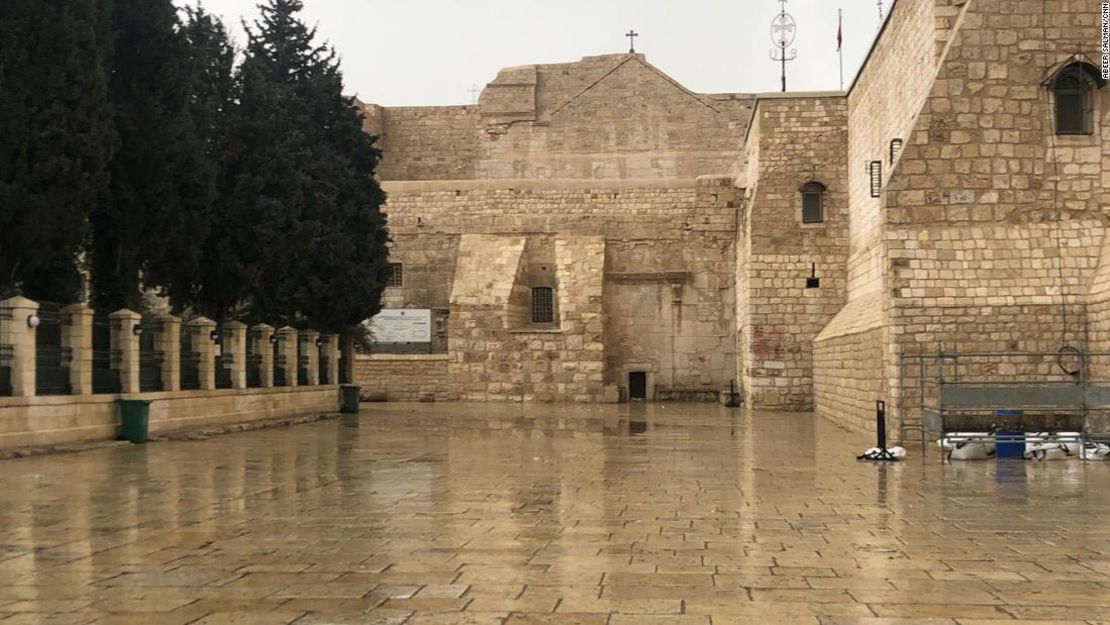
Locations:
(403, 377)
(800, 139)
(846, 356)
(604, 117)
(995, 222)
(34, 421)
(492, 359)
(425, 142)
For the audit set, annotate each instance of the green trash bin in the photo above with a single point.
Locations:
(348, 396)
(134, 418)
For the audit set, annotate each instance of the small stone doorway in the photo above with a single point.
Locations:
(637, 386)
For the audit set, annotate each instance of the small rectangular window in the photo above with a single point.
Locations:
(396, 275)
(895, 148)
(543, 305)
(876, 171)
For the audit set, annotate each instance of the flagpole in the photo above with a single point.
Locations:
(840, 46)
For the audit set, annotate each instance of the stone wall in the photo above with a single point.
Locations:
(38, 421)
(425, 142)
(604, 117)
(668, 285)
(403, 377)
(796, 140)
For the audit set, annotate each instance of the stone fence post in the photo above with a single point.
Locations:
(168, 341)
(125, 345)
(202, 329)
(287, 347)
(77, 337)
(264, 352)
(22, 316)
(235, 347)
(312, 356)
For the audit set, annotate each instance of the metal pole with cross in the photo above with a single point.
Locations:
(632, 34)
(783, 31)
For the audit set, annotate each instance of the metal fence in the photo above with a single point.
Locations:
(52, 358)
(190, 363)
(6, 354)
(105, 360)
(1064, 390)
(325, 364)
(302, 364)
(151, 360)
(224, 363)
(254, 361)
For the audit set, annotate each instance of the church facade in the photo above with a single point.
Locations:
(594, 231)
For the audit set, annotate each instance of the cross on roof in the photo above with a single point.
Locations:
(474, 91)
(632, 41)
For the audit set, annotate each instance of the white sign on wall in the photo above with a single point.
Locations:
(409, 325)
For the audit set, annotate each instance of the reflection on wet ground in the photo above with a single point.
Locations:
(509, 514)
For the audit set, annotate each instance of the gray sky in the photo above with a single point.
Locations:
(431, 52)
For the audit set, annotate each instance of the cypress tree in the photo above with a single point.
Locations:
(213, 92)
(55, 128)
(305, 180)
(148, 226)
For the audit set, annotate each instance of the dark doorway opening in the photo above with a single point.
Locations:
(637, 386)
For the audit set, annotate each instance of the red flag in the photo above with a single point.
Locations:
(840, 34)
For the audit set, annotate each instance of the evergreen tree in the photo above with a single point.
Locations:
(147, 227)
(304, 179)
(55, 128)
(213, 92)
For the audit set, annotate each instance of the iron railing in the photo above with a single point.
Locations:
(105, 360)
(151, 361)
(190, 363)
(325, 364)
(302, 370)
(52, 358)
(279, 365)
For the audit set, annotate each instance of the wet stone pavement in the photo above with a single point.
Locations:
(570, 515)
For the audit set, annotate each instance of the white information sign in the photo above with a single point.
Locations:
(409, 325)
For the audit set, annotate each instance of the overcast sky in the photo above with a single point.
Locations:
(432, 52)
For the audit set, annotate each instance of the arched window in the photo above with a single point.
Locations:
(543, 304)
(813, 203)
(1073, 88)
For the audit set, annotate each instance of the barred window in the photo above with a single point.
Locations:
(543, 305)
(813, 203)
(396, 275)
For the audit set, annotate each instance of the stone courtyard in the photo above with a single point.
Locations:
(570, 514)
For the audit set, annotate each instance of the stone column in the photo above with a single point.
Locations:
(202, 329)
(125, 346)
(287, 346)
(265, 351)
(77, 337)
(235, 346)
(331, 348)
(168, 341)
(312, 351)
(20, 335)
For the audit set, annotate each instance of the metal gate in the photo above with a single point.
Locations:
(6, 354)
(190, 363)
(105, 360)
(52, 360)
(151, 360)
(224, 363)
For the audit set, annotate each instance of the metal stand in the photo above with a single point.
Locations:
(880, 453)
(733, 396)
